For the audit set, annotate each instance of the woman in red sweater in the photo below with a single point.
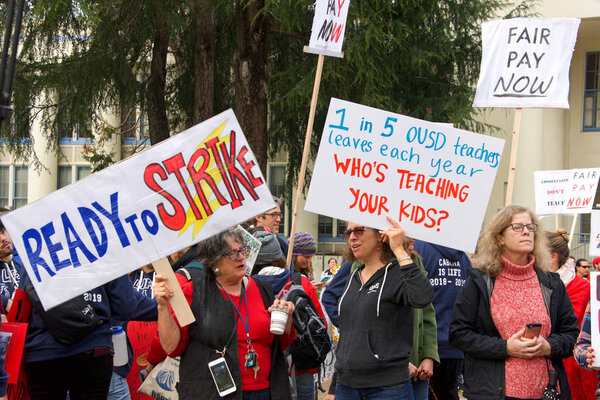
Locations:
(583, 383)
(509, 288)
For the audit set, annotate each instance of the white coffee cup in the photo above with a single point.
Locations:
(278, 320)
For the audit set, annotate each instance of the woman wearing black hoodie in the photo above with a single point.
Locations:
(375, 315)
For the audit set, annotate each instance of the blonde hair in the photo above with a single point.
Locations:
(489, 251)
(559, 243)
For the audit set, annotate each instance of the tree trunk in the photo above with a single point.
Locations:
(204, 61)
(250, 60)
(155, 91)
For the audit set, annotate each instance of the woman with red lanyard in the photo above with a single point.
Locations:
(227, 306)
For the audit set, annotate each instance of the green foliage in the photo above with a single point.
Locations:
(419, 58)
(415, 57)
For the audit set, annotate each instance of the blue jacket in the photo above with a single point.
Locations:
(334, 291)
(114, 299)
(447, 271)
(11, 274)
(145, 310)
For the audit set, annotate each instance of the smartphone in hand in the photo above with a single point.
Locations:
(532, 330)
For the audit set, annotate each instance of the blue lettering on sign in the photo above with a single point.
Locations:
(36, 240)
(75, 242)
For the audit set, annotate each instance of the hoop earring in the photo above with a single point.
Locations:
(217, 271)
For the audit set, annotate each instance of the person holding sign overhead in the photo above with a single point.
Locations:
(512, 318)
(375, 315)
(229, 350)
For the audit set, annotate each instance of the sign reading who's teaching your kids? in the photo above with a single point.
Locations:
(434, 179)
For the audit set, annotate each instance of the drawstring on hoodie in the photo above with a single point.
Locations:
(382, 285)
(380, 290)
(346, 291)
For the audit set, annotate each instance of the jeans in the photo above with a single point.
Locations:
(420, 389)
(118, 389)
(398, 391)
(264, 394)
(84, 376)
(305, 386)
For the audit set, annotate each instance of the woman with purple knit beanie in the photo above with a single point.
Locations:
(304, 249)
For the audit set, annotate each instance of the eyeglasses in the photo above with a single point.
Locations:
(518, 227)
(275, 215)
(583, 266)
(358, 232)
(235, 254)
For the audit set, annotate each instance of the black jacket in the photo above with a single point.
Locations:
(472, 330)
(376, 325)
(215, 328)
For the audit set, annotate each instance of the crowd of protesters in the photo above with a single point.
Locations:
(415, 320)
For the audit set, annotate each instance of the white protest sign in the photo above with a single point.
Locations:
(176, 193)
(525, 62)
(328, 28)
(594, 310)
(595, 233)
(581, 190)
(550, 190)
(435, 179)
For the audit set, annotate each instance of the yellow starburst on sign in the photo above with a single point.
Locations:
(213, 171)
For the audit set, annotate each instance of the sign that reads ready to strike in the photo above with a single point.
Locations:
(159, 201)
(435, 179)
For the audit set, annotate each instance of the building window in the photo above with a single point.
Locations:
(82, 172)
(65, 176)
(20, 187)
(69, 131)
(325, 226)
(277, 188)
(341, 227)
(4, 185)
(585, 220)
(591, 103)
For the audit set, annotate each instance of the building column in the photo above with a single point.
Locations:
(42, 181)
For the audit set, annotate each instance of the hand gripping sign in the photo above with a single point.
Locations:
(140, 210)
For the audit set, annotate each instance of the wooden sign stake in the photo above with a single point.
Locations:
(309, 129)
(182, 309)
(513, 156)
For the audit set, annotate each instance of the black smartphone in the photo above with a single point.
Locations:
(532, 330)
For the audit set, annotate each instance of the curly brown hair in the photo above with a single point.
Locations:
(489, 250)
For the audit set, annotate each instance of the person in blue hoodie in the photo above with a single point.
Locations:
(11, 270)
(145, 310)
(447, 271)
(82, 369)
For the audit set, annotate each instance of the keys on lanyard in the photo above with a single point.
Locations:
(251, 360)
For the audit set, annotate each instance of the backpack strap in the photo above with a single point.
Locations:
(183, 271)
(296, 278)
